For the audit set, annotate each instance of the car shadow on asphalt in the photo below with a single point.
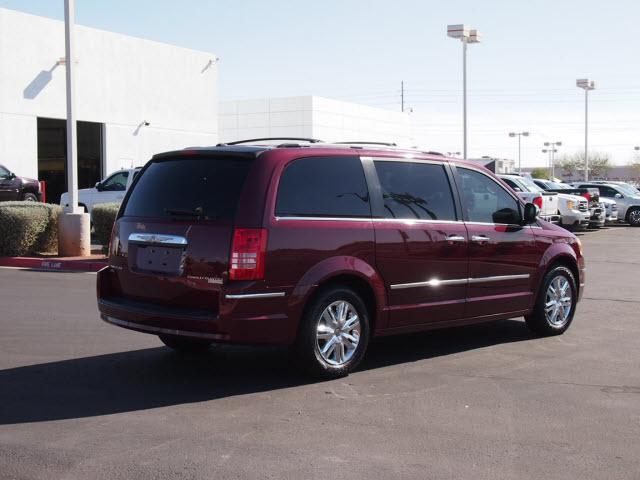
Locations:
(157, 377)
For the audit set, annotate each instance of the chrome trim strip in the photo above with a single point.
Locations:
(242, 296)
(498, 278)
(429, 283)
(372, 219)
(434, 282)
(157, 239)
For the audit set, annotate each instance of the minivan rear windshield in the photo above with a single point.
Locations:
(189, 189)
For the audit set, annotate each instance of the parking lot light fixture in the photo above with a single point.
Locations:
(519, 135)
(551, 148)
(466, 35)
(587, 85)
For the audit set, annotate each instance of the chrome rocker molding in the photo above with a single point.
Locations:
(242, 296)
(457, 281)
(157, 239)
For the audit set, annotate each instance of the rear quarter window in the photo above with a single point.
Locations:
(323, 187)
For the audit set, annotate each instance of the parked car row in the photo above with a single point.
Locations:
(582, 205)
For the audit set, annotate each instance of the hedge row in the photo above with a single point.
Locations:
(103, 216)
(27, 228)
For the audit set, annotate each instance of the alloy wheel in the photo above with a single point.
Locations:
(559, 301)
(338, 333)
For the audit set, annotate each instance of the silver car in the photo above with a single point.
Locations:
(626, 197)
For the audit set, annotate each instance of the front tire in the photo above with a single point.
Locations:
(556, 303)
(633, 217)
(333, 335)
(185, 345)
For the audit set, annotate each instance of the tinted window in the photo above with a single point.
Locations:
(3, 172)
(483, 200)
(189, 188)
(511, 183)
(323, 187)
(415, 191)
(607, 191)
(116, 183)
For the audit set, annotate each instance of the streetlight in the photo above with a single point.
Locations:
(552, 156)
(466, 35)
(519, 135)
(586, 85)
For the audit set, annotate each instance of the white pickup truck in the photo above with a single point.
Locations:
(529, 192)
(109, 190)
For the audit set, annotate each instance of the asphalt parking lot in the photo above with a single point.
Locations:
(80, 399)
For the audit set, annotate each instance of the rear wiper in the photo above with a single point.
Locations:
(197, 212)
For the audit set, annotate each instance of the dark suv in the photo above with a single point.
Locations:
(13, 187)
(322, 247)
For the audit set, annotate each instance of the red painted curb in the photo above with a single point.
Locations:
(53, 264)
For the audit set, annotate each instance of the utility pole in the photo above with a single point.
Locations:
(402, 96)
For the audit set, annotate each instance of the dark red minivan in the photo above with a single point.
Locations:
(322, 246)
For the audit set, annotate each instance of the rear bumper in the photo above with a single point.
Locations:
(262, 329)
(241, 317)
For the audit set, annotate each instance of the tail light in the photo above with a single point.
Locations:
(587, 195)
(538, 202)
(247, 254)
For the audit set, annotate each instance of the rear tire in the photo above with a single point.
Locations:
(29, 197)
(333, 334)
(633, 217)
(556, 303)
(185, 345)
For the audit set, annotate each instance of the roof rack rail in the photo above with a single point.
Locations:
(383, 144)
(431, 152)
(265, 139)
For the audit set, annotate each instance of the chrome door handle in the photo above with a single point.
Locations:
(479, 238)
(456, 238)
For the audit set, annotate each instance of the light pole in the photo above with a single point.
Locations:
(586, 85)
(466, 35)
(519, 135)
(551, 148)
(74, 227)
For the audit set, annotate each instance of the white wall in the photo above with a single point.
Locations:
(311, 116)
(121, 81)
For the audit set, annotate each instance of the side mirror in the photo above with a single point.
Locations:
(517, 189)
(530, 214)
(98, 186)
(618, 195)
(11, 176)
(507, 216)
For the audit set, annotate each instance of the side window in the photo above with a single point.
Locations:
(323, 187)
(116, 183)
(512, 184)
(4, 173)
(412, 190)
(484, 200)
(607, 192)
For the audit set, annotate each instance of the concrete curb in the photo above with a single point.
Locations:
(54, 264)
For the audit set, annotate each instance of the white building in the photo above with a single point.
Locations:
(134, 98)
(312, 117)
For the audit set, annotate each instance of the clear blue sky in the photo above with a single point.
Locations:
(522, 77)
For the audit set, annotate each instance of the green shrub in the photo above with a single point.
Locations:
(103, 216)
(27, 228)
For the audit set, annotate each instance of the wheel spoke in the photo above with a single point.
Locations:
(339, 352)
(329, 347)
(352, 339)
(351, 323)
